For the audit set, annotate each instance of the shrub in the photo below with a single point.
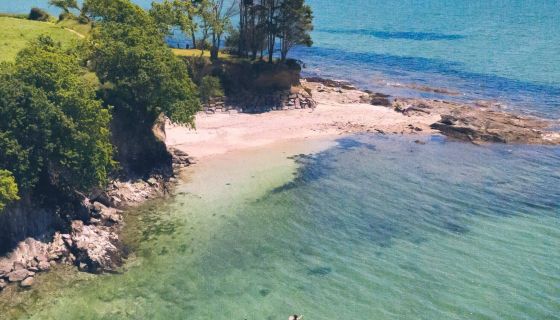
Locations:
(210, 87)
(38, 15)
(54, 132)
(66, 16)
(8, 189)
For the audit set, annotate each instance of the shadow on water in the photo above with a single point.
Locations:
(419, 36)
(440, 194)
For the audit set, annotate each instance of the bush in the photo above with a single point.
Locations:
(210, 87)
(54, 132)
(38, 15)
(66, 16)
(8, 189)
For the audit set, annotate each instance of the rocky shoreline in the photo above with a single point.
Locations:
(93, 244)
(480, 122)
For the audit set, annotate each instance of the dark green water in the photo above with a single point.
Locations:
(372, 228)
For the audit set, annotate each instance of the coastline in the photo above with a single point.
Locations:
(341, 109)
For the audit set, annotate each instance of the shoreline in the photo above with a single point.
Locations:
(341, 109)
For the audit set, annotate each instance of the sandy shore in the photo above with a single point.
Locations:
(347, 110)
(338, 112)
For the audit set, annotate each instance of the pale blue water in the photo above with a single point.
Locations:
(374, 227)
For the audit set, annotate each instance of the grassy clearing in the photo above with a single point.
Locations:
(16, 33)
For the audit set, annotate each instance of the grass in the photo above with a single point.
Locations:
(198, 53)
(73, 24)
(15, 34)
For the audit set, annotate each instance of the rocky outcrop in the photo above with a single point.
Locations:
(91, 244)
(32, 256)
(479, 124)
(96, 247)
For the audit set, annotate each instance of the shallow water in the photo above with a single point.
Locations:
(374, 227)
(371, 228)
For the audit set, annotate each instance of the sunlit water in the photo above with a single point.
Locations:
(373, 227)
(482, 50)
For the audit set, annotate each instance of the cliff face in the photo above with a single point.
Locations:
(23, 220)
(140, 145)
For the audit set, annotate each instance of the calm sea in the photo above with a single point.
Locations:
(503, 50)
(372, 227)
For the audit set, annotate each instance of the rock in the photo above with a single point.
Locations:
(98, 207)
(5, 268)
(27, 282)
(44, 266)
(3, 284)
(18, 275)
(18, 265)
(97, 247)
(152, 182)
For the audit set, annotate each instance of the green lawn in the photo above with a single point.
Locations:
(16, 33)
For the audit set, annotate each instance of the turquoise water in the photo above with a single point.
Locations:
(484, 50)
(371, 228)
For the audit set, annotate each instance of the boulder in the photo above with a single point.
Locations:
(5, 268)
(97, 247)
(44, 266)
(28, 282)
(18, 275)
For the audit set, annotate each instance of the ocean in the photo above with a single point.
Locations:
(366, 227)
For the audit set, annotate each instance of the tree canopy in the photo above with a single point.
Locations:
(141, 73)
(53, 130)
(263, 23)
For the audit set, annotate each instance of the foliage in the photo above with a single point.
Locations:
(294, 23)
(8, 189)
(210, 87)
(262, 23)
(141, 73)
(53, 130)
(38, 15)
(17, 33)
(65, 5)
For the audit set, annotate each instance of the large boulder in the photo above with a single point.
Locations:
(96, 246)
(18, 275)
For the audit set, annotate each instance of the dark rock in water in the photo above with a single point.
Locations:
(319, 271)
(380, 99)
(27, 282)
(264, 292)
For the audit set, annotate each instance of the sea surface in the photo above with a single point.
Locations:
(367, 227)
(371, 227)
(497, 50)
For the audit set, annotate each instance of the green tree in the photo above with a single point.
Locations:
(8, 189)
(141, 77)
(65, 5)
(294, 24)
(53, 130)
